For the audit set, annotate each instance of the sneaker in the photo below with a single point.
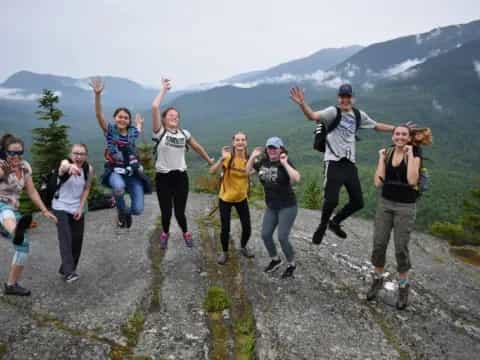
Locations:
(274, 265)
(319, 234)
(377, 285)
(128, 220)
(70, 278)
(222, 258)
(245, 251)
(402, 301)
(289, 271)
(337, 229)
(16, 290)
(122, 221)
(188, 239)
(22, 226)
(163, 240)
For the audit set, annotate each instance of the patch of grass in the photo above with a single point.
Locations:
(216, 300)
(439, 259)
(245, 337)
(133, 327)
(3, 349)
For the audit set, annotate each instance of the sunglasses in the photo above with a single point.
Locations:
(13, 153)
(271, 147)
(79, 154)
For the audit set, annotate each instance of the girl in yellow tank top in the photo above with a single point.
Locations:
(234, 193)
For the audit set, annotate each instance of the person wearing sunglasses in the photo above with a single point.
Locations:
(342, 122)
(69, 205)
(277, 174)
(15, 176)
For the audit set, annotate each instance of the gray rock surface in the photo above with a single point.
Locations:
(319, 314)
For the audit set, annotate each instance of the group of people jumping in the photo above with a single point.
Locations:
(397, 173)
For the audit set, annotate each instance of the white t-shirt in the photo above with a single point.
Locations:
(70, 193)
(171, 150)
(342, 138)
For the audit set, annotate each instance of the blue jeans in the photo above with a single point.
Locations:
(121, 183)
(282, 219)
(21, 251)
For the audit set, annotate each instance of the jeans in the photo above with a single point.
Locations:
(21, 251)
(225, 209)
(133, 185)
(401, 218)
(70, 239)
(283, 219)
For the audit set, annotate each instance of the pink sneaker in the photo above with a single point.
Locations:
(163, 240)
(188, 239)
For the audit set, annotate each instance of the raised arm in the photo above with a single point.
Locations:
(139, 122)
(156, 117)
(255, 153)
(293, 173)
(297, 95)
(379, 177)
(413, 166)
(200, 150)
(217, 166)
(97, 85)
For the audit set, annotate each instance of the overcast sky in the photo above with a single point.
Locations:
(200, 41)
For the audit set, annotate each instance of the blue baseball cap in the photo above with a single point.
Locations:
(275, 141)
(345, 90)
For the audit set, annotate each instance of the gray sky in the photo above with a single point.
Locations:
(200, 41)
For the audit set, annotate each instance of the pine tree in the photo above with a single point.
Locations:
(471, 216)
(145, 156)
(312, 196)
(50, 144)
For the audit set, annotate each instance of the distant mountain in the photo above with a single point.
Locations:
(319, 61)
(391, 58)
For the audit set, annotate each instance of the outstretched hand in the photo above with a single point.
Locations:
(226, 150)
(257, 152)
(97, 85)
(297, 95)
(139, 120)
(166, 85)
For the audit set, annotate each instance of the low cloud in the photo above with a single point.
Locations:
(436, 105)
(476, 67)
(14, 94)
(402, 67)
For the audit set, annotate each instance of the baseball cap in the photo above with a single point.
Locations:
(345, 90)
(275, 142)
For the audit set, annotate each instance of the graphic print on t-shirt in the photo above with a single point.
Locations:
(174, 141)
(346, 128)
(268, 174)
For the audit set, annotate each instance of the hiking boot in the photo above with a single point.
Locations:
(188, 239)
(337, 229)
(222, 258)
(128, 220)
(16, 290)
(289, 271)
(22, 226)
(377, 285)
(274, 265)
(70, 278)
(163, 240)
(319, 234)
(245, 251)
(402, 301)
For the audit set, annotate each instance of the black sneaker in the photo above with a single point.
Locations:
(16, 290)
(402, 301)
(70, 278)
(337, 229)
(122, 221)
(288, 271)
(377, 285)
(274, 265)
(22, 226)
(319, 234)
(128, 220)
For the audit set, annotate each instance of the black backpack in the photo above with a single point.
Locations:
(320, 141)
(158, 140)
(52, 182)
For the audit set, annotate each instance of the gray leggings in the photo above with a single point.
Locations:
(283, 219)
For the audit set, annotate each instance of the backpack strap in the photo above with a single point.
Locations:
(389, 154)
(157, 142)
(358, 118)
(186, 143)
(336, 121)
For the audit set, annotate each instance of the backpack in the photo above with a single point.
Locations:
(423, 175)
(51, 183)
(159, 139)
(320, 141)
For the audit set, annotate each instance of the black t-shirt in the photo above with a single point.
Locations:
(276, 183)
(396, 187)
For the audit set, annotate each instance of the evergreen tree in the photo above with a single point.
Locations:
(145, 156)
(50, 144)
(312, 195)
